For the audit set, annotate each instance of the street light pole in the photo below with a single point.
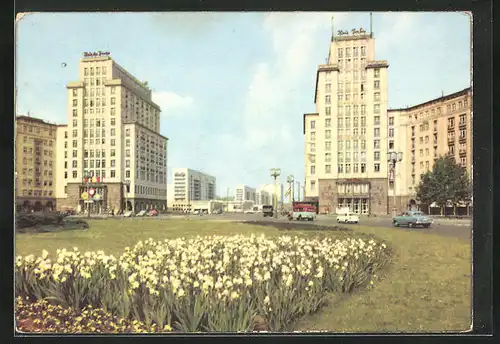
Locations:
(275, 173)
(393, 158)
(126, 183)
(227, 200)
(298, 191)
(291, 182)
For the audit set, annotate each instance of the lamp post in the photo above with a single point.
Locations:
(298, 191)
(275, 173)
(126, 184)
(88, 178)
(291, 182)
(227, 200)
(393, 158)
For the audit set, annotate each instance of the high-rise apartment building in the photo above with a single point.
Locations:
(244, 193)
(425, 132)
(262, 197)
(191, 185)
(346, 138)
(35, 163)
(270, 189)
(113, 137)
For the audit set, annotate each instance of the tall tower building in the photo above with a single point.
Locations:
(112, 142)
(346, 138)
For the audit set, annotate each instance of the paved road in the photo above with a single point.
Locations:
(459, 230)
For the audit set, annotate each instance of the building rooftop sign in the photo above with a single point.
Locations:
(96, 54)
(354, 32)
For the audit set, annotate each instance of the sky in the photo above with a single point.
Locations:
(233, 87)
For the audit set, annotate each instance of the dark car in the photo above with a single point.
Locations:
(267, 210)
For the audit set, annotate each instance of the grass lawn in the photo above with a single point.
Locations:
(427, 288)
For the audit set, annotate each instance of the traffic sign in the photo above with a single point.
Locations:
(85, 196)
(91, 192)
(96, 197)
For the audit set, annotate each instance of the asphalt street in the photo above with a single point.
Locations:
(460, 230)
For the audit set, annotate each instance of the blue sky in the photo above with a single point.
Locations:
(233, 86)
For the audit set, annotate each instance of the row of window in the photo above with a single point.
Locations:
(346, 168)
(348, 63)
(29, 139)
(29, 150)
(37, 130)
(29, 182)
(37, 193)
(90, 71)
(355, 50)
(438, 110)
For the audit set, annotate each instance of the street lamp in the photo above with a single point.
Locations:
(393, 158)
(126, 189)
(275, 173)
(291, 182)
(298, 191)
(88, 179)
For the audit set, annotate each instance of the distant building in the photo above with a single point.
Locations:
(35, 163)
(270, 189)
(244, 193)
(189, 186)
(262, 197)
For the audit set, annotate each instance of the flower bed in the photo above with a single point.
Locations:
(216, 283)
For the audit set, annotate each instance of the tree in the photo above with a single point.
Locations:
(447, 182)
(426, 190)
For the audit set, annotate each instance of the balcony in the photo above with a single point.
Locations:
(462, 152)
(412, 160)
(462, 124)
(451, 127)
(462, 139)
(451, 139)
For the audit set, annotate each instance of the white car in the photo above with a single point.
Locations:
(128, 214)
(348, 218)
(141, 213)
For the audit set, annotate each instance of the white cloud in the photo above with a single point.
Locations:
(172, 103)
(272, 90)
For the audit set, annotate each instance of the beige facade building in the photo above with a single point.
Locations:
(189, 186)
(113, 136)
(424, 132)
(346, 138)
(35, 164)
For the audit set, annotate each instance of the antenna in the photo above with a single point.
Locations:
(333, 31)
(371, 25)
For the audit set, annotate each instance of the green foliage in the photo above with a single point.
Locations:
(447, 182)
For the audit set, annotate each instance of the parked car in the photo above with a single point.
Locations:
(128, 214)
(141, 213)
(153, 212)
(412, 219)
(348, 218)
